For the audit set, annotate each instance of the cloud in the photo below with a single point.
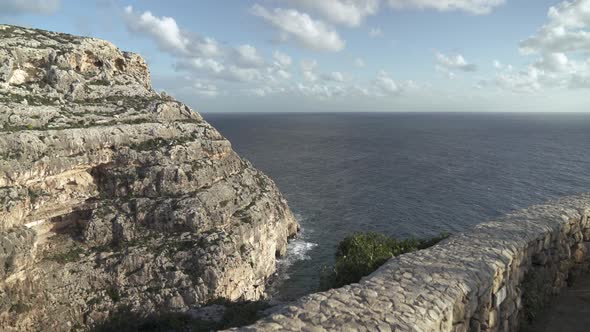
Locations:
(308, 65)
(477, 7)
(346, 12)
(456, 61)
(498, 65)
(283, 74)
(307, 32)
(201, 64)
(359, 62)
(17, 7)
(164, 30)
(384, 85)
(333, 76)
(247, 56)
(204, 89)
(168, 36)
(445, 71)
(554, 70)
(308, 68)
(522, 81)
(562, 46)
(447, 64)
(321, 91)
(375, 32)
(566, 31)
(282, 59)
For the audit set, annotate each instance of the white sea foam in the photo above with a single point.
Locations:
(297, 250)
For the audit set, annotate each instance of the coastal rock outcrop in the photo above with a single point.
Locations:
(113, 195)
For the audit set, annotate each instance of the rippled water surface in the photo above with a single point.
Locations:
(405, 174)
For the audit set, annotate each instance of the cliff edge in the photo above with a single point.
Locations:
(112, 195)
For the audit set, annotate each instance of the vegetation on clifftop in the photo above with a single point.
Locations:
(360, 254)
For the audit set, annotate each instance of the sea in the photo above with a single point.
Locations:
(404, 174)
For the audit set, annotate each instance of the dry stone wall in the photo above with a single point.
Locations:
(478, 280)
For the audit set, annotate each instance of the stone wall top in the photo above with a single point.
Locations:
(467, 282)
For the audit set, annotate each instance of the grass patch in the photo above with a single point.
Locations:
(360, 254)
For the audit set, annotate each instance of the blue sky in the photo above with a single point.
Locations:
(344, 55)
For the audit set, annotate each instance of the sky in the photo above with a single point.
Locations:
(344, 55)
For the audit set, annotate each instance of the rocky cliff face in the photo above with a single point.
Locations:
(112, 195)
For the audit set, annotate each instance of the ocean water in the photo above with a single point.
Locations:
(405, 174)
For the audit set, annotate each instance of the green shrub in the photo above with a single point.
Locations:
(362, 253)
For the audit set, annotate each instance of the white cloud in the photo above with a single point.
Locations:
(164, 30)
(16, 7)
(445, 71)
(320, 90)
(523, 81)
(200, 64)
(204, 89)
(375, 32)
(168, 36)
(308, 65)
(308, 68)
(282, 59)
(478, 7)
(452, 62)
(447, 64)
(283, 74)
(310, 76)
(347, 12)
(563, 45)
(566, 31)
(204, 46)
(247, 56)
(553, 62)
(260, 92)
(386, 84)
(333, 76)
(234, 73)
(307, 32)
(553, 70)
(359, 62)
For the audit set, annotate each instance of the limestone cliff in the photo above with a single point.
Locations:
(113, 195)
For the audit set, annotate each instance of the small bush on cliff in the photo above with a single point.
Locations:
(360, 254)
